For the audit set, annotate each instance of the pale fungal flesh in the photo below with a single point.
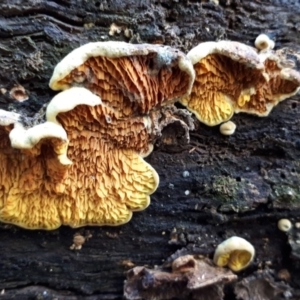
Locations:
(235, 252)
(232, 77)
(87, 172)
(227, 128)
(78, 241)
(263, 42)
(8, 118)
(132, 79)
(284, 225)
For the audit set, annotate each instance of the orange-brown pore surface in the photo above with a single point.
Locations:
(223, 86)
(131, 85)
(269, 92)
(218, 84)
(106, 182)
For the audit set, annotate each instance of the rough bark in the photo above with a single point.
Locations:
(238, 185)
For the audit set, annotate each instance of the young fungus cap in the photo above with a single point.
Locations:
(228, 128)
(224, 70)
(235, 252)
(284, 225)
(264, 43)
(130, 78)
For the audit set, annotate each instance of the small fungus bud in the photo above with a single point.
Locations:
(3, 91)
(284, 225)
(18, 93)
(114, 29)
(228, 128)
(185, 174)
(128, 33)
(78, 241)
(235, 252)
(263, 42)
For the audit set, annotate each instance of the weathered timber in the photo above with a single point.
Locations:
(238, 185)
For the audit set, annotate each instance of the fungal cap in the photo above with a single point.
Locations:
(263, 42)
(292, 76)
(22, 138)
(130, 78)
(135, 178)
(202, 50)
(77, 57)
(284, 225)
(235, 252)
(106, 182)
(280, 84)
(222, 73)
(236, 51)
(68, 100)
(114, 49)
(228, 128)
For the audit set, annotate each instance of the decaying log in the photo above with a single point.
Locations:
(210, 189)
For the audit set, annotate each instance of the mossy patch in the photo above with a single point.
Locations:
(237, 194)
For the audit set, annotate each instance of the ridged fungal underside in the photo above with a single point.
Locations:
(95, 176)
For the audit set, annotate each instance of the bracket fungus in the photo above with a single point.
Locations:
(81, 167)
(281, 82)
(189, 278)
(232, 77)
(235, 252)
(132, 79)
(223, 71)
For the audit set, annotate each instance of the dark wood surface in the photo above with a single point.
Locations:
(238, 185)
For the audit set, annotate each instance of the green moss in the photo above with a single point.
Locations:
(225, 188)
(285, 186)
(236, 194)
(283, 195)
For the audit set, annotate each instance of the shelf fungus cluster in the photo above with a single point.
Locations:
(232, 77)
(84, 165)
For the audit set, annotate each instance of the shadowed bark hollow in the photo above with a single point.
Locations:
(210, 189)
